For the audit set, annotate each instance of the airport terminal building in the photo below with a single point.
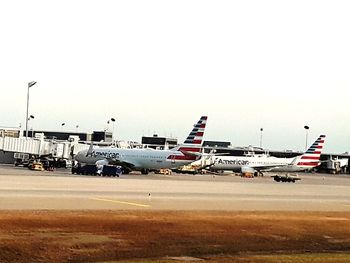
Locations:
(63, 144)
(95, 136)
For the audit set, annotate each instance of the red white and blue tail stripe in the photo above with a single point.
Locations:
(193, 142)
(196, 135)
(311, 158)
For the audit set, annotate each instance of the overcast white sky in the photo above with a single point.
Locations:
(157, 66)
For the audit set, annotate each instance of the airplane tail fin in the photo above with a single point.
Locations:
(90, 150)
(193, 142)
(311, 158)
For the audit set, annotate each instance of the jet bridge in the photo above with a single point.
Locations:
(32, 146)
(39, 146)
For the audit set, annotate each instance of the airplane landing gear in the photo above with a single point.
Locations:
(144, 171)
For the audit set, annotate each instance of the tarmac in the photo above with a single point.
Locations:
(22, 189)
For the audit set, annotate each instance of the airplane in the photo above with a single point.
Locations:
(148, 159)
(257, 163)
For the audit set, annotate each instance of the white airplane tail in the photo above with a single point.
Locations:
(311, 158)
(193, 143)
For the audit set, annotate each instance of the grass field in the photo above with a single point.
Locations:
(132, 236)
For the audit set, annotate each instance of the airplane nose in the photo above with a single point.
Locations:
(80, 155)
(77, 157)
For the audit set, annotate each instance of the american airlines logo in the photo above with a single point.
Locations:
(107, 155)
(231, 162)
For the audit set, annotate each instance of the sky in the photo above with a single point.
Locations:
(157, 66)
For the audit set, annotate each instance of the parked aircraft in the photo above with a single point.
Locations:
(148, 159)
(256, 163)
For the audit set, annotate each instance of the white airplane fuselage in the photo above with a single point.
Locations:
(140, 158)
(258, 162)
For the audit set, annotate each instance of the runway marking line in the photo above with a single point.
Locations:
(120, 202)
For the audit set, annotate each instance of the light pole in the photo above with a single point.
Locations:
(30, 84)
(261, 135)
(307, 132)
(113, 120)
(31, 117)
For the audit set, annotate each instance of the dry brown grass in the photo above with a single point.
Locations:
(86, 236)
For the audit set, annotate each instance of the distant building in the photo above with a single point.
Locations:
(101, 136)
(156, 142)
(241, 151)
(220, 144)
(9, 132)
(96, 136)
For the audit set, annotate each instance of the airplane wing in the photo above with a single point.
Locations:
(127, 165)
(197, 154)
(267, 168)
(123, 164)
(110, 161)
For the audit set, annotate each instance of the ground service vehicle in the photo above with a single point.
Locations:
(285, 178)
(107, 170)
(36, 166)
